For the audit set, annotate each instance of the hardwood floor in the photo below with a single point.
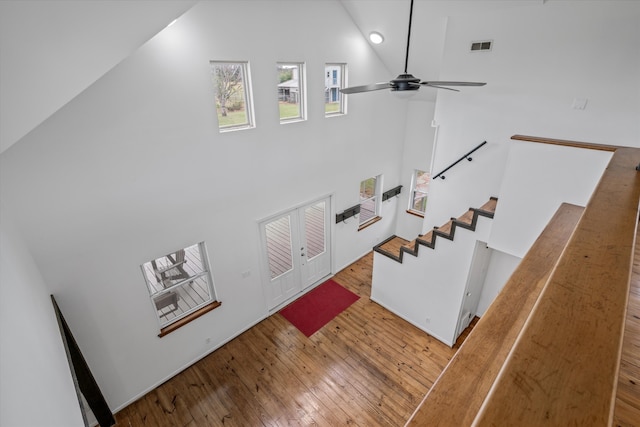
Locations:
(366, 367)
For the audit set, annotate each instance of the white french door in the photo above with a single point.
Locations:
(296, 250)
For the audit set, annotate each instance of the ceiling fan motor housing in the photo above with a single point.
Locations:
(405, 82)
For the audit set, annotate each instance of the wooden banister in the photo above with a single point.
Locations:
(470, 375)
(565, 142)
(561, 355)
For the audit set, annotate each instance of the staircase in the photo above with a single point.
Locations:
(427, 289)
(395, 247)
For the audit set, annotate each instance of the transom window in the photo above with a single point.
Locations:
(369, 197)
(335, 103)
(179, 284)
(232, 85)
(419, 190)
(291, 92)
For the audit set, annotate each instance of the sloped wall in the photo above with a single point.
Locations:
(134, 168)
(36, 387)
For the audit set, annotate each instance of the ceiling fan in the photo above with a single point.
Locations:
(406, 81)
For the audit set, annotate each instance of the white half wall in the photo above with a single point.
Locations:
(537, 180)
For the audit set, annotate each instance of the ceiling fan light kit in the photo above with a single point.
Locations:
(405, 81)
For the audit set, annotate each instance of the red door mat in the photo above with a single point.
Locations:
(318, 307)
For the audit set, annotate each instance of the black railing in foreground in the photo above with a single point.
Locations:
(466, 156)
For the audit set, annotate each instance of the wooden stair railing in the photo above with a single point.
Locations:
(476, 365)
(467, 221)
(551, 356)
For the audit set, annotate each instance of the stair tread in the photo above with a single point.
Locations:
(393, 245)
(467, 217)
(490, 206)
(446, 228)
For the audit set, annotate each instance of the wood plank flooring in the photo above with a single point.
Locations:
(367, 367)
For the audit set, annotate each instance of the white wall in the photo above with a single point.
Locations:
(538, 178)
(427, 290)
(36, 388)
(416, 154)
(543, 57)
(134, 168)
(501, 267)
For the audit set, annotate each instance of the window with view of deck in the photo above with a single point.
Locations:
(369, 200)
(180, 284)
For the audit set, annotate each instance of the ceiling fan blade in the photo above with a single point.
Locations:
(439, 87)
(366, 88)
(452, 83)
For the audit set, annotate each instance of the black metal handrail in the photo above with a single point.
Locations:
(466, 156)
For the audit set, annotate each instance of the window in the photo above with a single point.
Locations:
(334, 80)
(291, 92)
(232, 85)
(369, 196)
(419, 190)
(180, 286)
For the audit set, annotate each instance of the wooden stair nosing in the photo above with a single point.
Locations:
(477, 212)
(378, 248)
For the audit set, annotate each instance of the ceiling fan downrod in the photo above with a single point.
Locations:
(406, 58)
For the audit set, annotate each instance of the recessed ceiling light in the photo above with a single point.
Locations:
(376, 37)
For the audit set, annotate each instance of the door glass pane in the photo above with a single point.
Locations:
(279, 248)
(314, 229)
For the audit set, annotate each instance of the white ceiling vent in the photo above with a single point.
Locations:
(481, 46)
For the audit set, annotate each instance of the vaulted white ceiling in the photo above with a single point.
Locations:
(391, 18)
(51, 50)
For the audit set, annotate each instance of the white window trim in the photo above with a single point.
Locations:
(376, 202)
(414, 190)
(343, 83)
(206, 272)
